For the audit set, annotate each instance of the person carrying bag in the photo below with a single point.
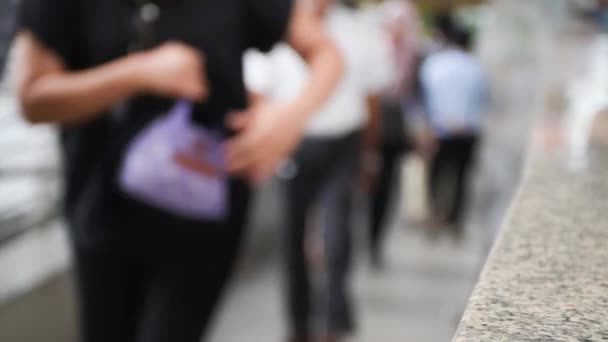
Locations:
(160, 144)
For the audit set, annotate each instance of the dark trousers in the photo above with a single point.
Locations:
(161, 284)
(394, 144)
(325, 170)
(449, 172)
(382, 192)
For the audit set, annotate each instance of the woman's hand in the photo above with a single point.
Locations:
(267, 133)
(173, 69)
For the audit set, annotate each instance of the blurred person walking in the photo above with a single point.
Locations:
(323, 169)
(455, 91)
(389, 138)
(156, 171)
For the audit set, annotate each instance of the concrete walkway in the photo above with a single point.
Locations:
(419, 297)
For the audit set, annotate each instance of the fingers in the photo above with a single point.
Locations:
(239, 121)
(195, 77)
(196, 93)
(246, 158)
(201, 74)
(199, 87)
(260, 143)
(255, 164)
(240, 153)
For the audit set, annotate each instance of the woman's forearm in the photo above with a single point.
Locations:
(48, 92)
(307, 36)
(371, 132)
(326, 65)
(71, 97)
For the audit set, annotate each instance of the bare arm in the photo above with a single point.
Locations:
(49, 93)
(371, 143)
(307, 37)
(371, 134)
(270, 131)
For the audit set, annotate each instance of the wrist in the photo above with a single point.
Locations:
(137, 65)
(299, 113)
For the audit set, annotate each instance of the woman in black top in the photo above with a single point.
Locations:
(143, 273)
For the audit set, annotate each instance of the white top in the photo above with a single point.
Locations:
(281, 73)
(456, 91)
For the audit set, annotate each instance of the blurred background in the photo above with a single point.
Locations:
(540, 56)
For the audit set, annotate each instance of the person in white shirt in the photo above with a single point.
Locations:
(455, 92)
(401, 22)
(325, 165)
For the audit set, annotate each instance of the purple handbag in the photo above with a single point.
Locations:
(178, 167)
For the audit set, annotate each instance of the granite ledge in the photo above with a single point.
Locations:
(547, 277)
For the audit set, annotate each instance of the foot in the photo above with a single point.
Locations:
(434, 228)
(376, 259)
(457, 232)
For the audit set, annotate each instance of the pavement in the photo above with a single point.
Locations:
(418, 297)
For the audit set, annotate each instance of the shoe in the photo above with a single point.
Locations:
(376, 259)
(457, 232)
(434, 228)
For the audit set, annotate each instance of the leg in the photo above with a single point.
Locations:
(109, 289)
(184, 288)
(338, 239)
(434, 180)
(300, 193)
(465, 156)
(380, 199)
(187, 277)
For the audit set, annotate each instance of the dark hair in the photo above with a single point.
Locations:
(445, 25)
(453, 32)
(465, 39)
(347, 3)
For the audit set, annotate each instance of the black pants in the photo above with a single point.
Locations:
(394, 144)
(325, 170)
(388, 181)
(449, 173)
(162, 284)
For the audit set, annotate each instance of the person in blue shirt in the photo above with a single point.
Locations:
(455, 93)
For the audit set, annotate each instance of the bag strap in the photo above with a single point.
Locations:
(144, 18)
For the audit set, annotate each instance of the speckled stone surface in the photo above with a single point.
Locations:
(547, 277)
